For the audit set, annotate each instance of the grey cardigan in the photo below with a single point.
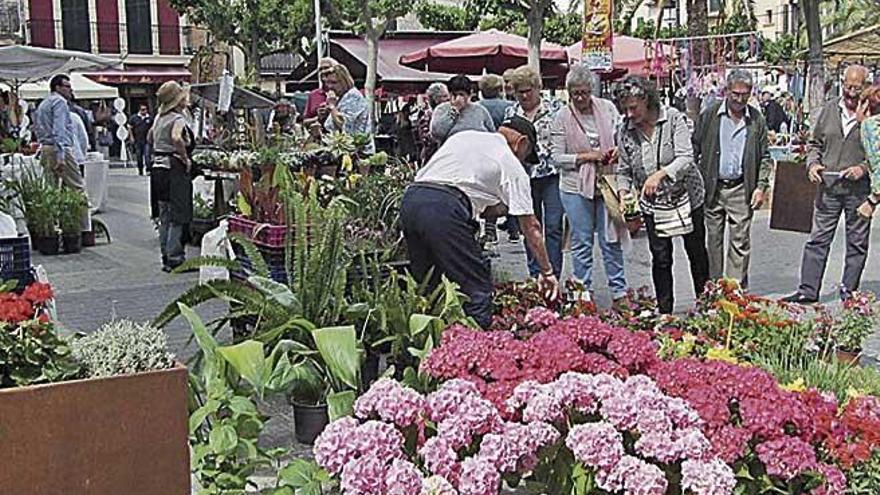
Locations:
(445, 122)
(563, 150)
(676, 156)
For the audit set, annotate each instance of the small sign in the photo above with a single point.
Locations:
(597, 35)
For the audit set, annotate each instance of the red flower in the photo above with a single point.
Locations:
(38, 293)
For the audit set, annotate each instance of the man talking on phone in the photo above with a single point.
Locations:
(836, 162)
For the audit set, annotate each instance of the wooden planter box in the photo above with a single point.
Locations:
(110, 436)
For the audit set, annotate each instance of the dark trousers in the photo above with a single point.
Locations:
(441, 234)
(548, 209)
(829, 207)
(142, 153)
(661, 260)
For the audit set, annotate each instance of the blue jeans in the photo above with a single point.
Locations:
(587, 218)
(548, 209)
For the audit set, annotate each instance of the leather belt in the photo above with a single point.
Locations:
(729, 183)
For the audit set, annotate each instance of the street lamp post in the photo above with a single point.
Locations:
(318, 42)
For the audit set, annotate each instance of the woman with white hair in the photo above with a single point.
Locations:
(582, 146)
(437, 93)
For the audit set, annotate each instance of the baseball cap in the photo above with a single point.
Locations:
(524, 127)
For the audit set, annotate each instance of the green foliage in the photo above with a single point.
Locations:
(123, 347)
(303, 477)
(203, 207)
(32, 353)
(782, 51)
(9, 145)
(72, 204)
(40, 201)
(645, 29)
(564, 28)
(864, 479)
(441, 17)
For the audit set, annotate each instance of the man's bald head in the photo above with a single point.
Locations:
(856, 71)
(854, 79)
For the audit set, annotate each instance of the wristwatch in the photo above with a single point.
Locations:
(873, 200)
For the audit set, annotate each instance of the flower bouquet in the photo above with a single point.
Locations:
(855, 323)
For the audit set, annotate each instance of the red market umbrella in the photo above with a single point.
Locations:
(489, 51)
(628, 54)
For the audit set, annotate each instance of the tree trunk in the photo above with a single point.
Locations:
(535, 20)
(372, 37)
(815, 64)
(698, 25)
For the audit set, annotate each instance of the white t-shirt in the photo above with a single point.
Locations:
(483, 167)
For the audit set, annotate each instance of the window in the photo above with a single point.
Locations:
(714, 6)
(75, 26)
(140, 27)
(769, 16)
(786, 11)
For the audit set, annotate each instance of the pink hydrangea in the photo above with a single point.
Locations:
(658, 445)
(541, 317)
(634, 476)
(707, 477)
(834, 482)
(440, 458)
(402, 478)
(543, 407)
(517, 445)
(787, 457)
(574, 390)
(478, 477)
(691, 443)
(379, 440)
(364, 476)
(437, 485)
(597, 445)
(336, 445)
(391, 401)
(445, 402)
(474, 416)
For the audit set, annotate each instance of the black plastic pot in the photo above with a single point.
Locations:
(310, 421)
(198, 227)
(48, 245)
(369, 370)
(72, 243)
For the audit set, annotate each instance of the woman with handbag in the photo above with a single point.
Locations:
(582, 145)
(656, 162)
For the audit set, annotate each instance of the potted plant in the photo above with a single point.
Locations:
(42, 211)
(73, 205)
(853, 325)
(56, 396)
(203, 219)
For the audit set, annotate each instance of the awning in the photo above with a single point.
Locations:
(857, 47)
(142, 74)
(388, 68)
(241, 98)
(83, 88)
(628, 53)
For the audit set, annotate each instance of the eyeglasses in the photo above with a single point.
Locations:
(580, 94)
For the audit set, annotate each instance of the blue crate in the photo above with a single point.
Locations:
(15, 260)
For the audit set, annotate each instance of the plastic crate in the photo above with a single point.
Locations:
(262, 234)
(15, 260)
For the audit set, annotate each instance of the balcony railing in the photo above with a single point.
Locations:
(10, 20)
(114, 38)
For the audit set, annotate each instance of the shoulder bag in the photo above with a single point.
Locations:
(672, 207)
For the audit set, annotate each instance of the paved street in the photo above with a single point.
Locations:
(124, 279)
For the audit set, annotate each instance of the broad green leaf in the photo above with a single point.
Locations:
(243, 205)
(341, 404)
(338, 348)
(299, 473)
(223, 439)
(418, 323)
(248, 361)
(242, 406)
(203, 336)
(199, 415)
(276, 292)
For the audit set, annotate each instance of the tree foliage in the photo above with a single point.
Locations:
(441, 17)
(257, 27)
(782, 51)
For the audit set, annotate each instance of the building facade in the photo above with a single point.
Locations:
(775, 17)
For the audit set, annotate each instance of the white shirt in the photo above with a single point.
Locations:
(80, 138)
(847, 118)
(483, 167)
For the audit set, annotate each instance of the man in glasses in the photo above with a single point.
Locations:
(53, 126)
(836, 161)
(731, 150)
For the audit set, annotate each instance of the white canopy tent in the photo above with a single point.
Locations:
(83, 88)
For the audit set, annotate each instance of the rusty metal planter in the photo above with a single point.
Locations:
(108, 436)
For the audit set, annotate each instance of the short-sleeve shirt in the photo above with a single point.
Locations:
(483, 167)
(140, 126)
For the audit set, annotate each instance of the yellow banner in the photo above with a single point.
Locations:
(596, 48)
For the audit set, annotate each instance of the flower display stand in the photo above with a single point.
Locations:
(125, 434)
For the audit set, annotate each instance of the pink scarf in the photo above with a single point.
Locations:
(576, 140)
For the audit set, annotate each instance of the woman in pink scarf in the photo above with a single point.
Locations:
(582, 143)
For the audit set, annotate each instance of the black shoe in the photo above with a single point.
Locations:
(167, 268)
(798, 298)
(513, 238)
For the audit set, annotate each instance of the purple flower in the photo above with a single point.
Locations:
(379, 440)
(573, 390)
(500, 451)
(478, 477)
(445, 402)
(437, 485)
(392, 402)
(787, 457)
(691, 443)
(543, 407)
(336, 445)
(834, 483)
(364, 476)
(440, 459)
(597, 445)
(403, 478)
(707, 477)
(470, 417)
(659, 445)
(541, 317)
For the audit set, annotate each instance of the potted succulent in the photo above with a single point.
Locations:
(853, 325)
(72, 206)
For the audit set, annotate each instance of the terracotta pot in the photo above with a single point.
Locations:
(847, 357)
(310, 421)
(106, 436)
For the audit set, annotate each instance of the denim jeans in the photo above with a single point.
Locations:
(170, 236)
(548, 209)
(587, 219)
